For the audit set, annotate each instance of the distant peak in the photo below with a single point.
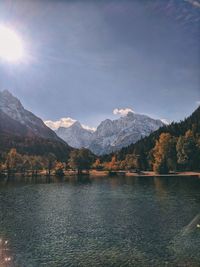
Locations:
(76, 124)
(106, 122)
(130, 114)
(6, 93)
(9, 97)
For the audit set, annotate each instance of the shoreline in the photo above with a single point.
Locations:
(153, 174)
(95, 173)
(146, 174)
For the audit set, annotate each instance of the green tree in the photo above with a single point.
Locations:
(81, 159)
(26, 164)
(36, 164)
(50, 162)
(198, 153)
(188, 151)
(130, 161)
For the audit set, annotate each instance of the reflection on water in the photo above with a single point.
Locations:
(118, 221)
(5, 255)
(186, 244)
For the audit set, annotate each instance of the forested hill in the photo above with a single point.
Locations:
(144, 146)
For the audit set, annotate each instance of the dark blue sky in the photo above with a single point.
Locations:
(86, 58)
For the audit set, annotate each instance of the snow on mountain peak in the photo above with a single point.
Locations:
(12, 107)
(66, 123)
(110, 135)
(75, 135)
(63, 122)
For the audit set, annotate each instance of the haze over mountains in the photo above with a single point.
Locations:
(110, 135)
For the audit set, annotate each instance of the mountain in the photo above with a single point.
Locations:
(110, 135)
(144, 146)
(32, 125)
(75, 135)
(23, 130)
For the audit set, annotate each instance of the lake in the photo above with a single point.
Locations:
(118, 221)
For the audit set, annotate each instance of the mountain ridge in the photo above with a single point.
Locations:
(110, 135)
(144, 146)
(21, 129)
(12, 107)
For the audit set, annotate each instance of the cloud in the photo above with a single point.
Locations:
(122, 111)
(198, 102)
(65, 122)
(194, 3)
(92, 129)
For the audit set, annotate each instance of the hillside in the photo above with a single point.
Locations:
(143, 147)
(21, 129)
(110, 135)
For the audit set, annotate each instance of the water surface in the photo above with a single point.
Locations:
(118, 221)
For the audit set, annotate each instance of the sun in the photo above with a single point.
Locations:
(11, 45)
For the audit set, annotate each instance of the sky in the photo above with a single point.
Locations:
(86, 58)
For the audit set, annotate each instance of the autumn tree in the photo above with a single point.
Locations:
(36, 164)
(97, 165)
(122, 165)
(1, 168)
(59, 168)
(164, 154)
(112, 165)
(14, 161)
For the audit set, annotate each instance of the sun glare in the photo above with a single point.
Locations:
(11, 45)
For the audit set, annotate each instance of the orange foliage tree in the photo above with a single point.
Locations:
(164, 154)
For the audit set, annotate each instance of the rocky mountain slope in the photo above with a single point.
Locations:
(32, 125)
(75, 135)
(144, 146)
(113, 135)
(21, 129)
(110, 135)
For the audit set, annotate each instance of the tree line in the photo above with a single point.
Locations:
(170, 154)
(174, 147)
(13, 162)
(171, 148)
